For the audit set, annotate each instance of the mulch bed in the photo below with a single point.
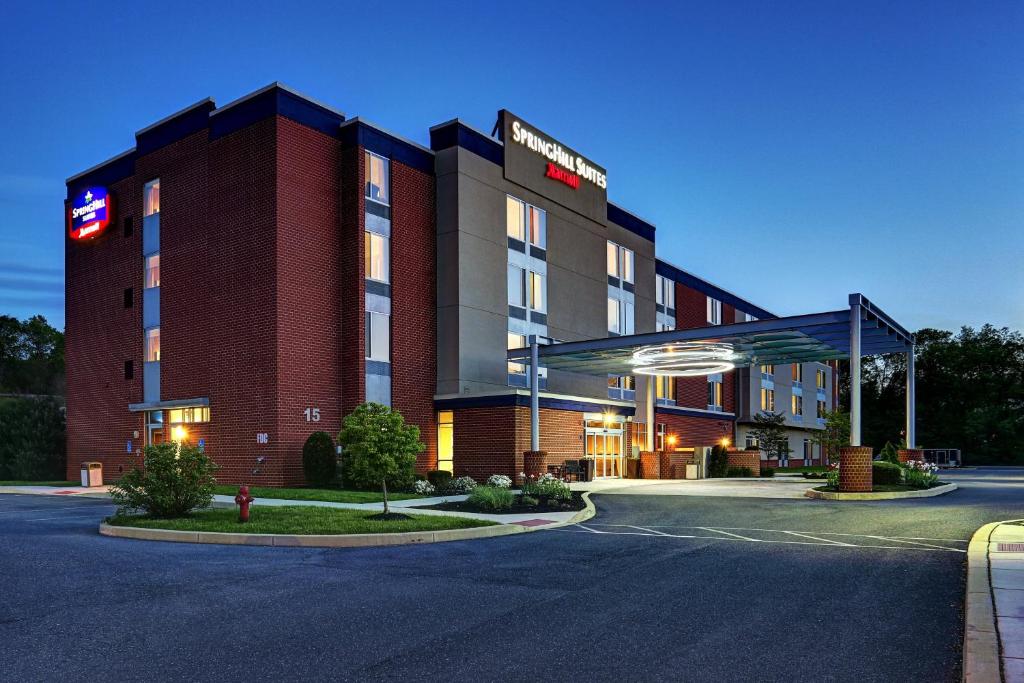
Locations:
(576, 503)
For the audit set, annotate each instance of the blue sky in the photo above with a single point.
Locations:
(790, 152)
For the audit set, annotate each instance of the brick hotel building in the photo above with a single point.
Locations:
(248, 274)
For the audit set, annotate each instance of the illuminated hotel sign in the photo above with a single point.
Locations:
(89, 213)
(544, 165)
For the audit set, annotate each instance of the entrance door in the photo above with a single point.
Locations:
(603, 437)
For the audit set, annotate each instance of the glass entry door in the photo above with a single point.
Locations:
(603, 437)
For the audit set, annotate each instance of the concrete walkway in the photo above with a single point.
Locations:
(780, 487)
(994, 629)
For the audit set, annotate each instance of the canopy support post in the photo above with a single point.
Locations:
(855, 313)
(534, 394)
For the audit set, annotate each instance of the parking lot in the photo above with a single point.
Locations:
(688, 587)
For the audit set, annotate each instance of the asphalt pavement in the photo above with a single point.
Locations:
(654, 587)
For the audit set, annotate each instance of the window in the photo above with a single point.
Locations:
(821, 410)
(714, 311)
(525, 222)
(659, 436)
(378, 181)
(153, 271)
(188, 415)
(538, 226)
(378, 260)
(820, 380)
(751, 441)
(665, 389)
(613, 315)
(129, 369)
(768, 400)
(129, 297)
(767, 372)
(798, 373)
(153, 345)
(516, 286)
(151, 198)
(621, 386)
(620, 262)
(666, 292)
(515, 225)
(537, 292)
(798, 405)
(516, 341)
(445, 439)
(715, 392)
(378, 337)
(749, 318)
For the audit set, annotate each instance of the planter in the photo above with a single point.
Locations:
(632, 468)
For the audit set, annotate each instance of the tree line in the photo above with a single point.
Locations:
(31, 357)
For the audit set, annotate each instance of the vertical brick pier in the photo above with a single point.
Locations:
(534, 463)
(905, 454)
(739, 457)
(855, 469)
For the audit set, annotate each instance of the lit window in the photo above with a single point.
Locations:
(153, 345)
(445, 439)
(715, 393)
(378, 182)
(516, 341)
(665, 389)
(537, 292)
(525, 222)
(514, 223)
(378, 261)
(767, 371)
(714, 311)
(627, 264)
(821, 410)
(151, 198)
(613, 315)
(153, 271)
(613, 259)
(188, 415)
(768, 400)
(798, 373)
(620, 262)
(798, 405)
(516, 286)
(821, 379)
(538, 227)
(378, 337)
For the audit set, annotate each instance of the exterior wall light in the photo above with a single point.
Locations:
(725, 441)
(179, 433)
(671, 439)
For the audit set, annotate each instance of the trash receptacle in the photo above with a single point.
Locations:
(691, 471)
(92, 474)
(587, 469)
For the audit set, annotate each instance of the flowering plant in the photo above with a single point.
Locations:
(545, 486)
(832, 476)
(920, 474)
(499, 481)
(423, 487)
(461, 485)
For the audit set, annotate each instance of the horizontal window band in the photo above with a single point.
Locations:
(538, 253)
(516, 245)
(516, 312)
(376, 367)
(378, 209)
(378, 288)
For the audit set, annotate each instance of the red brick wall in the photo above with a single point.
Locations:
(694, 431)
(413, 304)
(353, 284)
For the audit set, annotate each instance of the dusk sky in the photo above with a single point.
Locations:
(789, 152)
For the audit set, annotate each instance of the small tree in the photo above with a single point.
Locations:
(379, 448)
(889, 453)
(718, 461)
(319, 464)
(175, 479)
(770, 432)
(835, 435)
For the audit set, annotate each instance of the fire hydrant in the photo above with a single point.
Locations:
(242, 500)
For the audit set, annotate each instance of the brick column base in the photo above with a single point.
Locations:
(905, 454)
(855, 469)
(534, 463)
(739, 457)
(650, 465)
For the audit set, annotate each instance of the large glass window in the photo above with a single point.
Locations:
(445, 440)
(378, 259)
(620, 262)
(151, 198)
(378, 337)
(378, 178)
(153, 344)
(525, 222)
(768, 400)
(714, 311)
(188, 415)
(153, 271)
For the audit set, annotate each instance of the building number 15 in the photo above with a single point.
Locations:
(312, 414)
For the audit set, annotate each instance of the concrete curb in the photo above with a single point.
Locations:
(885, 495)
(341, 540)
(981, 637)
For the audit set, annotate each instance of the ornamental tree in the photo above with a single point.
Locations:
(770, 432)
(378, 448)
(835, 435)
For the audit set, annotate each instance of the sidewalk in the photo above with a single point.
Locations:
(994, 628)
(769, 487)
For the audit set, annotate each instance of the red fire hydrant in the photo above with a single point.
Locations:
(242, 500)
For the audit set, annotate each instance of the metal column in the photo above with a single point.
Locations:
(911, 431)
(855, 373)
(534, 395)
(649, 441)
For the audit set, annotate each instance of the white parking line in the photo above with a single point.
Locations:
(815, 538)
(820, 533)
(904, 540)
(719, 531)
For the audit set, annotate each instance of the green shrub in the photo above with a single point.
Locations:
(738, 472)
(439, 478)
(889, 453)
(767, 471)
(718, 462)
(33, 444)
(546, 487)
(172, 482)
(884, 472)
(528, 500)
(319, 463)
(491, 498)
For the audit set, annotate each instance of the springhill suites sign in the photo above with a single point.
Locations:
(550, 168)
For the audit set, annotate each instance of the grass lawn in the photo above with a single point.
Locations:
(39, 483)
(298, 519)
(329, 495)
(800, 470)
